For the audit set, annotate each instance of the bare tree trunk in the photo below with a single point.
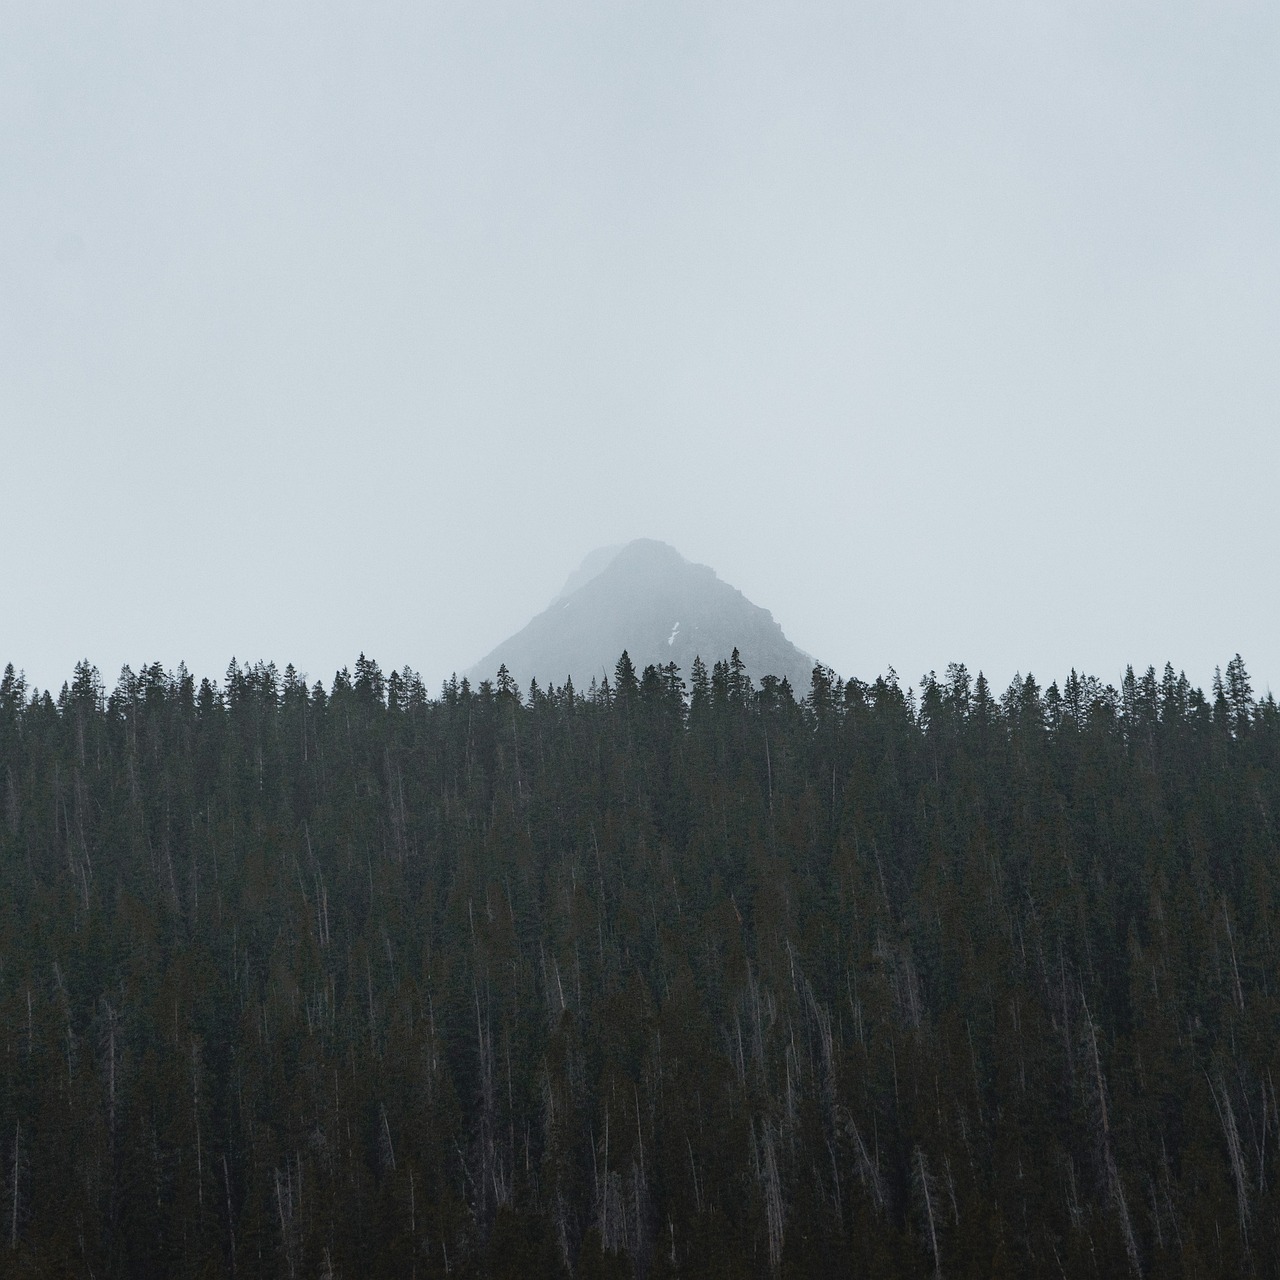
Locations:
(1226, 1116)
(285, 1206)
(1235, 969)
(868, 1169)
(766, 1162)
(17, 1168)
(231, 1226)
(195, 1106)
(924, 1182)
(1115, 1186)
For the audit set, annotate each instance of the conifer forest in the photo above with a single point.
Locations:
(648, 979)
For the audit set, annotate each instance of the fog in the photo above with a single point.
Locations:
(942, 332)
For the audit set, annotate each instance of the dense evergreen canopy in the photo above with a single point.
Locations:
(639, 980)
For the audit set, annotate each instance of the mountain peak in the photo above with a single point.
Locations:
(638, 550)
(645, 597)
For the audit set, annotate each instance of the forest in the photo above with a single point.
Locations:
(648, 979)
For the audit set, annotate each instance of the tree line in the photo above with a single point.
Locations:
(651, 979)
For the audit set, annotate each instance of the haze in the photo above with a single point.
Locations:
(942, 332)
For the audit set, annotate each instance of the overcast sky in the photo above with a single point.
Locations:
(945, 331)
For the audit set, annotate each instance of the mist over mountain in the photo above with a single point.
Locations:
(645, 597)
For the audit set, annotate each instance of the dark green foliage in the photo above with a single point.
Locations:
(650, 982)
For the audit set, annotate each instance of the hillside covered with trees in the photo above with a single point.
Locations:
(638, 980)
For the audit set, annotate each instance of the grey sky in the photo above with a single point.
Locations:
(944, 331)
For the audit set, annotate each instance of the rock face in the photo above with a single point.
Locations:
(644, 597)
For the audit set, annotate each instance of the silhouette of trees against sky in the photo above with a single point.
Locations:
(673, 976)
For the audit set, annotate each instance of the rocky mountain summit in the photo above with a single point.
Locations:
(644, 597)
